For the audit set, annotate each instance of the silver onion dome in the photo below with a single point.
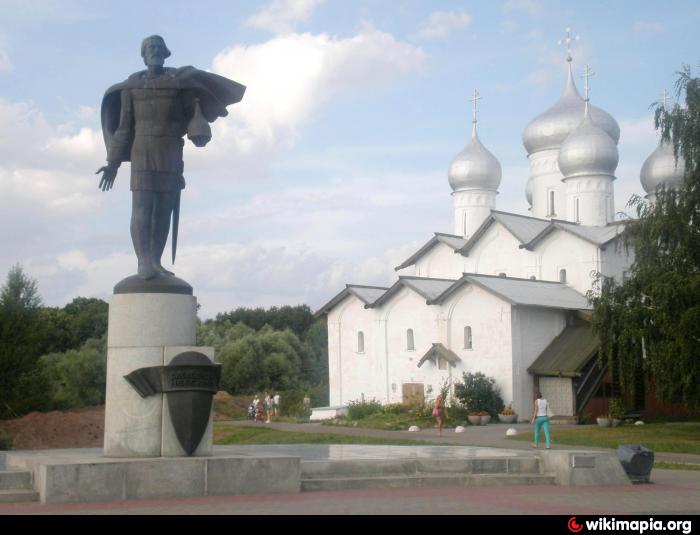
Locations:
(661, 169)
(475, 168)
(549, 129)
(588, 150)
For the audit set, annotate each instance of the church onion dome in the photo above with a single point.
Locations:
(588, 150)
(475, 168)
(549, 129)
(661, 169)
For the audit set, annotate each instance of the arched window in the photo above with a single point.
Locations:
(410, 344)
(467, 337)
(562, 276)
(360, 342)
(551, 203)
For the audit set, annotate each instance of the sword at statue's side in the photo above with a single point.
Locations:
(176, 222)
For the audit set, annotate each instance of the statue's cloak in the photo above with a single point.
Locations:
(214, 92)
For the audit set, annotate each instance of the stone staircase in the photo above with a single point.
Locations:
(407, 473)
(16, 485)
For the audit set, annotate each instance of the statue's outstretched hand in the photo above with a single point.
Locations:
(107, 181)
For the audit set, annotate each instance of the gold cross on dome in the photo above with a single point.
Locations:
(568, 40)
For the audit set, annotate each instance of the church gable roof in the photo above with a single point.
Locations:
(521, 292)
(523, 228)
(568, 353)
(451, 240)
(423, 286)
(366, 294)
(439, 350)
(598, 236)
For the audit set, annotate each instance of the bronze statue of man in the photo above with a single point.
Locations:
(144, 121)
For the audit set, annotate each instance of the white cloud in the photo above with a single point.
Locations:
(282, 16)
(5, 63)
(289, 78)
(648, 28)
(442, 23)
(531, 7)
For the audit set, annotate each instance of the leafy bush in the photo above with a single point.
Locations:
(361, 408)
(616, 408)
(5, 441)
(394, 408)
(479, 393)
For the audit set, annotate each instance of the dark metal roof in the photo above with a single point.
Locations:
(568, 353)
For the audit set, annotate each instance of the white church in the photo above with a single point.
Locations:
(503, 294)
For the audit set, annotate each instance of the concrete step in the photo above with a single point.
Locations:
(423, 480)
(15, 480)
(412, 467)
(16, 496)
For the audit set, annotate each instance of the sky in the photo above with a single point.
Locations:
(333, 168)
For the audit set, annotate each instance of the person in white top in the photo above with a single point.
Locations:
(540, 419)
(276, 404)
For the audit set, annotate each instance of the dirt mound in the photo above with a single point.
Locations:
(78, 428)
(84, 428)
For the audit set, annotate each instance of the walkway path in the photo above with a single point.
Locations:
(492, 436)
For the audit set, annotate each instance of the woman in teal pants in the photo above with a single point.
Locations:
(540, 419)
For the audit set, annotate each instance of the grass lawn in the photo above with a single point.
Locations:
(225, 434)
(667, 438)
(676, 466)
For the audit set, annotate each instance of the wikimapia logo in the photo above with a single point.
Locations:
(637, 526)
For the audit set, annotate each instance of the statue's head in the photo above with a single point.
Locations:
(154, 51)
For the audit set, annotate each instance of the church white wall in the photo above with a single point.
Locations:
(353, 374)
(441, 262)
(471, 208)
(546, 177)
(533, 330)
(594, 196)
(615, 260)
(562, 250)
(490, 320)
(408, 310)
(498, 251)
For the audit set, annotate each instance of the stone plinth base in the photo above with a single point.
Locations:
(147, 330)
(71, 476)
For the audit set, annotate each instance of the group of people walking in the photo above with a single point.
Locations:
(265, 408)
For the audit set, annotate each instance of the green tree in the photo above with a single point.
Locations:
(76, 378)
(261, 361)
(650, 322)
(20, 335)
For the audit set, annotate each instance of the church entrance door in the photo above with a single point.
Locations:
(413, 394)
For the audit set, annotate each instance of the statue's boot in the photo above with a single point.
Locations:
(146, 271)
(160, 269)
